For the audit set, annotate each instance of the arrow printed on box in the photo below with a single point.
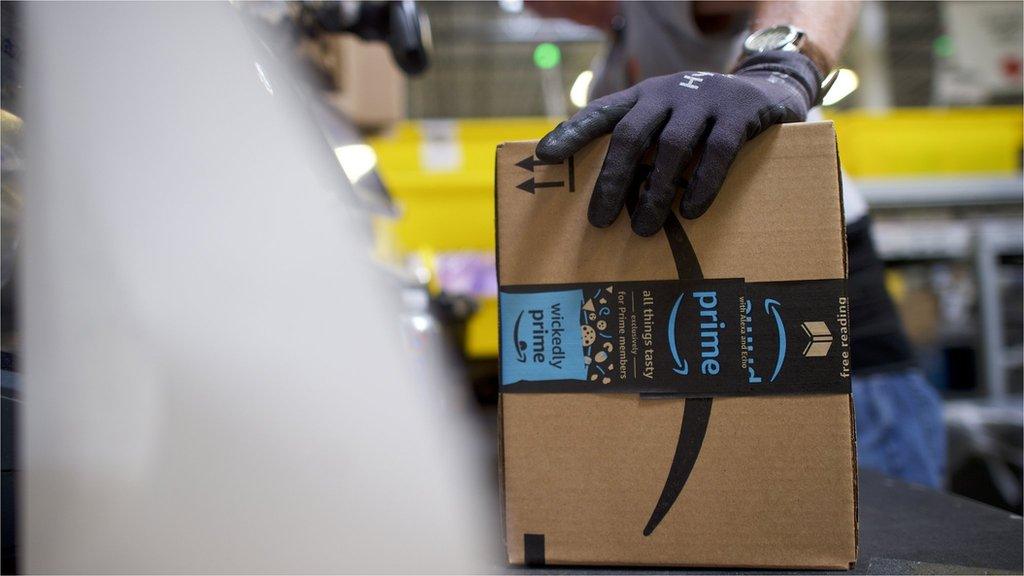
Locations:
(529, 162)
(696, 411)
(531, 185)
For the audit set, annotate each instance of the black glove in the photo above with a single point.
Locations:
(683, 114)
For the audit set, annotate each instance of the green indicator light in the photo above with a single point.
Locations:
(943, 46)
(546, 56)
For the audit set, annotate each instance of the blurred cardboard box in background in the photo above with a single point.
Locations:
(366, 84)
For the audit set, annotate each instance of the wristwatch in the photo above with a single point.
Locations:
(791, 38)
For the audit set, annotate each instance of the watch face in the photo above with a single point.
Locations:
(774, 38)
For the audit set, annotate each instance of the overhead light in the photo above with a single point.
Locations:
(420, 323)
(513, 6)
(581, 88)
(845, 83)
(357, 160)
(546, 56)
(943, 46)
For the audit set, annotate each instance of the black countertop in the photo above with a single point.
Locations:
(904, 529)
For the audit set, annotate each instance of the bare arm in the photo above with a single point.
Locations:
(827, 24)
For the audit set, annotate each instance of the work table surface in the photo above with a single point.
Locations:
(904, 529)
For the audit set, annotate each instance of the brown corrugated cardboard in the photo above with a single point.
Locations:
(773, 480)
(369, 88)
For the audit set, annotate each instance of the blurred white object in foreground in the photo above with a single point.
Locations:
(214, 375)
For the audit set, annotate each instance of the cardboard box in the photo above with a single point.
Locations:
(369, 88)
(624, 470)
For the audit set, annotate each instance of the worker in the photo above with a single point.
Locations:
(693, 81)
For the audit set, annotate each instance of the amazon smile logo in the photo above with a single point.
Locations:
(696, 412)
(521, 344)
(773, 308)
(753, 344)
(682, 367)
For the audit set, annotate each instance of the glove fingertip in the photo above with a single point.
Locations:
(647, 220)
(600, 221)
(600, 218)
(692, 211)
(551, 153)
(552, 148)
(694, 204)
(645, 227)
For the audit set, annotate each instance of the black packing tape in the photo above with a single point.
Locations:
(533, 549)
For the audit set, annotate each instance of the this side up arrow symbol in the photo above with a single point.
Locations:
(530, 185)
(529, 162)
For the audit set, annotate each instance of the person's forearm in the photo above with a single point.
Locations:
(827, 24)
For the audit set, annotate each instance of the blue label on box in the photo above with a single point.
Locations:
(542, 338)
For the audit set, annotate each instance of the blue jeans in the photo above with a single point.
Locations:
(900, 431)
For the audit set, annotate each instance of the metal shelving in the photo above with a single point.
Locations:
(974, 219)
(938, 191)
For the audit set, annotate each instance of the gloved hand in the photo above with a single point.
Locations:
(684, 114)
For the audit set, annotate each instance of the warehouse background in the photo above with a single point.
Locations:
(929, 126)
(929, 118)
(483, 56)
